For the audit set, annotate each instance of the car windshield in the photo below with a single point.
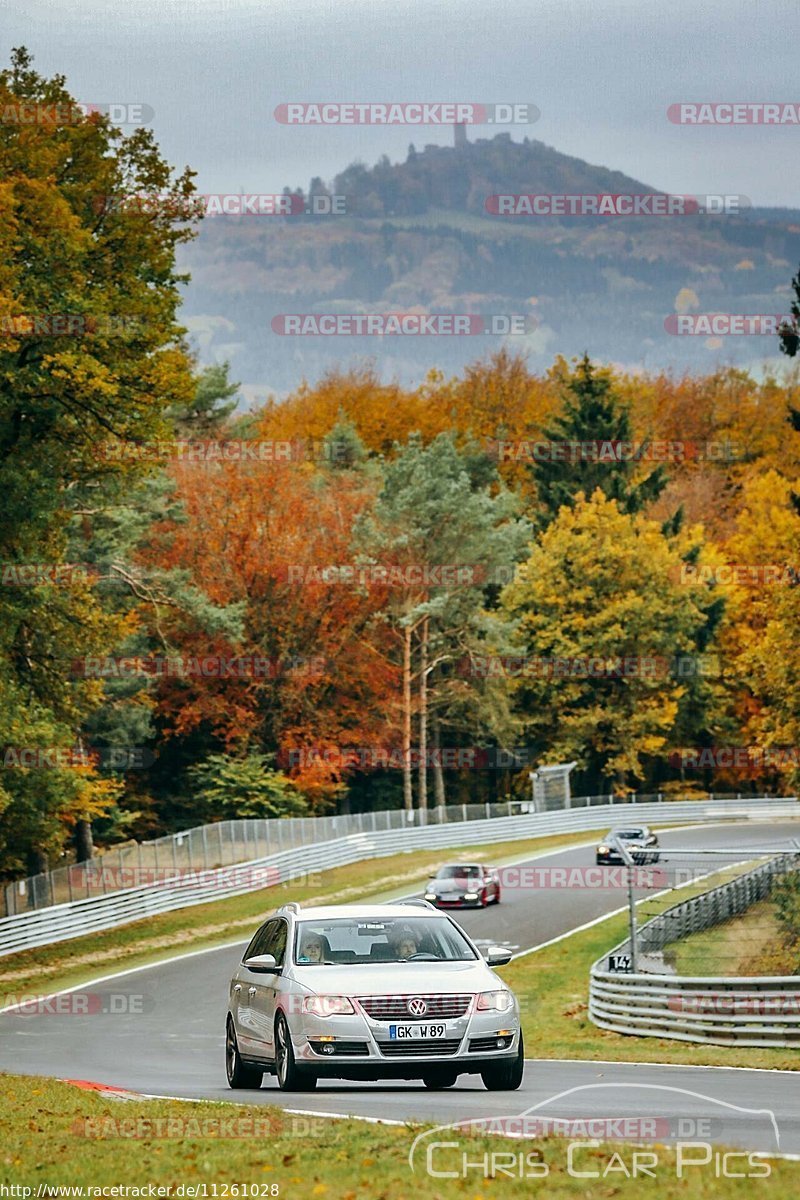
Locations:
(458, 872)
(361, 941)
(630, 834)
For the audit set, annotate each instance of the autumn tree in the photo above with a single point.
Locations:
(764, 653)
(90, 353)
(601, 614)
(585, 449)
(430, 514)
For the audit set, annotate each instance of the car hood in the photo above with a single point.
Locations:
(395, 979)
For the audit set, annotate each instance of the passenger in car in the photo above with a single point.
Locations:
(312, 950)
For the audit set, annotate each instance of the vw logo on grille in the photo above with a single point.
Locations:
(417, 1007)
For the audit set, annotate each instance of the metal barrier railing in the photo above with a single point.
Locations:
(747, 1011)
(224, 843)
(179, 888)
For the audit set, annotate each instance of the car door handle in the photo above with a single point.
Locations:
(252, 991)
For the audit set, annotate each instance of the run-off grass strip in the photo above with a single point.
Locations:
(53, 1134)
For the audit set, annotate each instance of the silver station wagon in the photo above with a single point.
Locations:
(369, 992)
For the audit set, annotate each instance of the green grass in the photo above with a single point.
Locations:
(65, 964)
(553, 989)
(43, 1142)
(751, 944)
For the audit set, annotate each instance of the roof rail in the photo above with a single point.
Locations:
(292, 907)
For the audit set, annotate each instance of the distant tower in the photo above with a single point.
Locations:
(460, 135)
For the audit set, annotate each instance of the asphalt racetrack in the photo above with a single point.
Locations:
(168, 1039)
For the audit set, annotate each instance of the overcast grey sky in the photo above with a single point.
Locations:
(602, 72)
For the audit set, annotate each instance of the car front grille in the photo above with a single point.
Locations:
(408, 1048)
(395, 1008)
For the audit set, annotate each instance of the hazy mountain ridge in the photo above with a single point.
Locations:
(419, 237)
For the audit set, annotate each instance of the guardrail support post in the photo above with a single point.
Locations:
(632, 910)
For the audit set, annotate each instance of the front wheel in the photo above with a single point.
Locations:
(239, 1074)
(291, 1078)
(505, 1076)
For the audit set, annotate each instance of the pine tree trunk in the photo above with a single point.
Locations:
(408, 797)
(37, 861)
(84, 843)
(438, 773)
(423, 717)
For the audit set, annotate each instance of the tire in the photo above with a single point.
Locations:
(240, 1075)
(505, 1076)
(443, 1078)
(291, 1078)
(497, 896)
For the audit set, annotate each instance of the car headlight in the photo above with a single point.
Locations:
(500, 1001)
(327, 1006)
(430, 895)
(602, 849)
(470, 895)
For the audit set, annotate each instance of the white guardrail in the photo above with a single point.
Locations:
(61, 922)
(762, 1010)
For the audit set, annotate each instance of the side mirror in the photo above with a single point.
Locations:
(497, 956)
(261, 963)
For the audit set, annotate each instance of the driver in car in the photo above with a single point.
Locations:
(405, 946)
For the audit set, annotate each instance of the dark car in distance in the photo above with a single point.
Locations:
(640, 842)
